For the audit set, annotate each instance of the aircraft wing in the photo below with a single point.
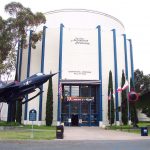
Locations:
(9, 87)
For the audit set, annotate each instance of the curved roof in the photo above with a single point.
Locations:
(85, 10)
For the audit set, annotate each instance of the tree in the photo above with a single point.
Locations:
(7, 55)
(133, 111)
(18, 113)
(111, 115)
(49, 104)
(5, 40)
(21, 21)
(16, 28)
(142, 86)
(124, 105)
(13, 30)
(139, 80)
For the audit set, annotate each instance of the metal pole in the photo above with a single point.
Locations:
(90, 115)
(127, 91)
(69, 113)
(32, 130)
(80, 113)
(121, 114)
(110, 111)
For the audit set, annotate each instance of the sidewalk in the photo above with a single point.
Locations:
(96, 133)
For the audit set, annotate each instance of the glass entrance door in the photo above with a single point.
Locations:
(79, 105)
(85, 113)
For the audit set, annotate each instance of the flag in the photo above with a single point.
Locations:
(119, 89)
(114, 95)
(125, 86)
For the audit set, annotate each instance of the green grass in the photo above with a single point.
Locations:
(127, 128)
(140, 124)
(43, 127)
(143, 124)
(25, 132)
(4, 123)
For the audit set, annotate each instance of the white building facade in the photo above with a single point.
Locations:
(82, 46)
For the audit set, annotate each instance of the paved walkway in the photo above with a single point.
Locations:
(96, 133)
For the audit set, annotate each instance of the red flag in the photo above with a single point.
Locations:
(119, 89)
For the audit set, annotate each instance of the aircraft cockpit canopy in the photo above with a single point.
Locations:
(40, 74)
(37, 74)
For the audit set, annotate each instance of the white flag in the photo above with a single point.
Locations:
(109, 96)
(126, 85)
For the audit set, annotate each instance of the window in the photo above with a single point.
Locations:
(85, 91)
(66, 91)
(74, 90)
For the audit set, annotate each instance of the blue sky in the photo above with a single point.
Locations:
(135, 15)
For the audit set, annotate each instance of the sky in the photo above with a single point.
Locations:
(134, 14)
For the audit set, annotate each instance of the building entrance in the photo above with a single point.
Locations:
(80, 105)
(74, 120)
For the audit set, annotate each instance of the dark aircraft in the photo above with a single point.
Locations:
(18, 90)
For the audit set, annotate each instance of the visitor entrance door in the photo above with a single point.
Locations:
(74, 120)
(79, 105)
(85, 113)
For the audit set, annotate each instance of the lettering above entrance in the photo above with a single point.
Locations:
(80, 53)
(80, 40)
(76, 98)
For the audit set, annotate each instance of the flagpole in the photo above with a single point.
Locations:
(121, 114)
(110, 109)
(109, 101)
(127, 91)
(126, 87)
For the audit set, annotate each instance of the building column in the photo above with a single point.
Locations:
(116, 75)
(17, 63)
(42, 70)
(100, 78)
(125, 55)
(20, 62)
(131, 59)
(60, 75)
(126, 73)
(18, 73)
(28, 73)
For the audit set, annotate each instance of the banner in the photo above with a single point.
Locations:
(76, 98)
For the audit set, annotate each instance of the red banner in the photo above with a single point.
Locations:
(77, 98)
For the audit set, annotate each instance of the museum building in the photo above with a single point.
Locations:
(82, 46)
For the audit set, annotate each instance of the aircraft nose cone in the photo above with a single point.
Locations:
(50, 75)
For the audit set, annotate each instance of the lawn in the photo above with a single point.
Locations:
(144, 124)
(128, 128)
(25, 132)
